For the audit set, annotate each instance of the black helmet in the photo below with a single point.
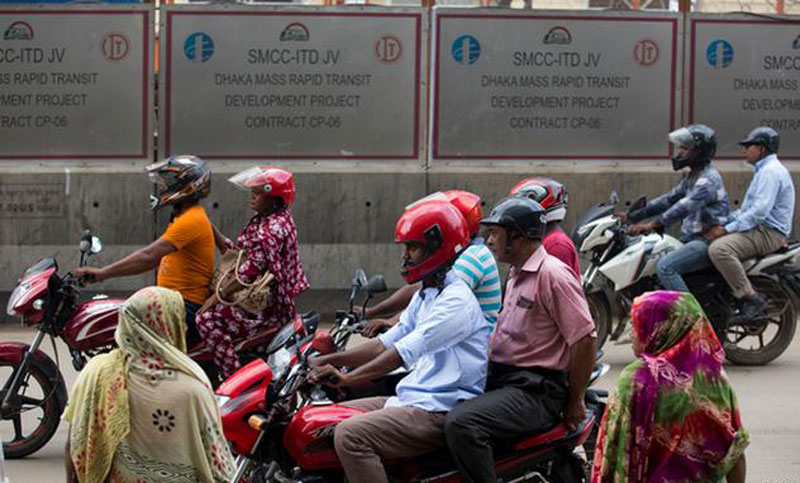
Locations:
(179, 179)
(699, 139)
(519, 213)
(764, 136)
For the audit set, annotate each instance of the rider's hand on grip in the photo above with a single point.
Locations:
(327, 375)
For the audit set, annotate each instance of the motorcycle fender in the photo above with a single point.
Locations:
(13, 352)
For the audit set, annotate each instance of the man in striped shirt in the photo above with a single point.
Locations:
(476, 266)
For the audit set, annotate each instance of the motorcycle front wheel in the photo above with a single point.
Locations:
(600, 310)
(33, 413)
(761, 343)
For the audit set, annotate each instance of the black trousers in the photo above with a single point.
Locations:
(517, 402)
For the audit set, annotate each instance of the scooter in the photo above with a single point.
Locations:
(281, 426)
(33, 391)
(622, 267)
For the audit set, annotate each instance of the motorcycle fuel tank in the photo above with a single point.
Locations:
(309, 436)
(639, 259)
(92, 325)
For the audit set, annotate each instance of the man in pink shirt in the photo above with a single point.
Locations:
(553, 197)
(541, 352)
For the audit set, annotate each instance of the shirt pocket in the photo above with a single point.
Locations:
(524, 303)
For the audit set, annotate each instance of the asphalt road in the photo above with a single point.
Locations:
(769, 397)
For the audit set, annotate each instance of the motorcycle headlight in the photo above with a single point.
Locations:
(278, 361)
(17, 294)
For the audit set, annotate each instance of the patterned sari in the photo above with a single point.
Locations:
(145, 412)
(271, 244)
(674, 417)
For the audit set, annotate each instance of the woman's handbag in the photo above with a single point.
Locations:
(250, 297)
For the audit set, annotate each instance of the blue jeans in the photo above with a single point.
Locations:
(690, 258)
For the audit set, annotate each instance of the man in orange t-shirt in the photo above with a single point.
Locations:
(184, 254)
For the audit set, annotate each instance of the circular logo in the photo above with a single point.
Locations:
(115, 46)
(466, 49)
(388, 49)
(645, 52)
(198, 47)
(719, 54)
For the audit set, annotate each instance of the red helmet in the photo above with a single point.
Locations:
(274, 182)
(549, 193)
(440, 228)
(469, 204)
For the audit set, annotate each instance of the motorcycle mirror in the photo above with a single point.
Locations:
(323, 343)
(360, 278)
(613, 199)
(639, 203)
(376, 285)
(311, 323)
(86, 241)
(97, 245)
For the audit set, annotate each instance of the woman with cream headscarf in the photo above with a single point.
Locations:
(145, 412)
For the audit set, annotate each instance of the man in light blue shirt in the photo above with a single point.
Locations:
(760, 226)
(442, 335)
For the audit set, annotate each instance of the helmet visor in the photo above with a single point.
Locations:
(157, 179)
(239, 179)
(681, 138)
(439, 196)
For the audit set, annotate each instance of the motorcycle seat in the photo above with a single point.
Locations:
(440, 462)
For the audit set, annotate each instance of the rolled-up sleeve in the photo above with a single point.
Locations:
(441, 328)
(401, 329)
(567, 305)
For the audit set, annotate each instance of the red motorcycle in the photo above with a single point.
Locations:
(34, 393)
(281, 426)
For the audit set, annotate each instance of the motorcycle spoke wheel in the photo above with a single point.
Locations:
(33, 415)
(767, 337)
(17, 421)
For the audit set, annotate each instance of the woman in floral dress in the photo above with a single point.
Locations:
(270, 242)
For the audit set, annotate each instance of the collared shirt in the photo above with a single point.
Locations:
(476, 266)
(544, 313)
(769, 200)
(699, 199)
(444, 336)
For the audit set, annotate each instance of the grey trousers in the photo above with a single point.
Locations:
(727, 253)
(362, 441)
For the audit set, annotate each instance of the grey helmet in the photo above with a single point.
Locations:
(764, 136)
(699, 139)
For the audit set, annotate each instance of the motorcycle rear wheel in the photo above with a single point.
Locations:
(36, 394)
(781, 320)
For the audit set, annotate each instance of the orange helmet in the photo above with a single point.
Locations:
(469, 204)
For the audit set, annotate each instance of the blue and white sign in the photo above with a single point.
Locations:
(198, 47)
(466, 49)
(719, 54)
